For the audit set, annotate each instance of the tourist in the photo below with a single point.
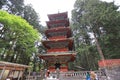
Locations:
(48, 73)
(42, 73)
(93, 75)
(88, 76)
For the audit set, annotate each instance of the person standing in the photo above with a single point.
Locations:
(93, 75)
(88, 76)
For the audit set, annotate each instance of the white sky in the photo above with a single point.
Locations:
(44, 7)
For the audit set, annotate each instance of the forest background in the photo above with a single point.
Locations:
(95, 25)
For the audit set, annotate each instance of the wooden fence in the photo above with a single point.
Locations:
(70, 75)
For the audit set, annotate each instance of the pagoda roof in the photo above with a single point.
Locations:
(62, 57)
(62, 43)
(60, 31)
(58, 23)
(14, 66)
(58, 16)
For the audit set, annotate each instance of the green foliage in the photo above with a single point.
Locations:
(32, 17)
(2, 2)
(13, 6)
(17, 7)
(19, 38)
(94, 18)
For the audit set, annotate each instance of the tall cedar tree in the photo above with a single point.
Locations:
(96, 19)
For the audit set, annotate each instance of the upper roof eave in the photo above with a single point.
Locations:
(57, 14)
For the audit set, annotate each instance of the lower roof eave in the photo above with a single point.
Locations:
(58, 54)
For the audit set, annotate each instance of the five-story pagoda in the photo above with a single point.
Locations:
(59, 43)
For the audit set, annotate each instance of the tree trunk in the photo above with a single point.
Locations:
(98, 47)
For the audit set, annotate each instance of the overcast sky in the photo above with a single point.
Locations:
(44, 7)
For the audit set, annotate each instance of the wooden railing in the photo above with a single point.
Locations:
(70, 75)
(79, 75)
(57, 38)
(37, 77)
(57, 50)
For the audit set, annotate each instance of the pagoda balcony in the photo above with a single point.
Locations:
(60, 52)
(63, 57)
(58, 23)
(57, 38)
(58, 33)
(57, 50)
(57, 44)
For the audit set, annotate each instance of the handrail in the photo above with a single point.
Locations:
(70, 75)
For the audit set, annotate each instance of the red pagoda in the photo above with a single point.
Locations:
(59, 43)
